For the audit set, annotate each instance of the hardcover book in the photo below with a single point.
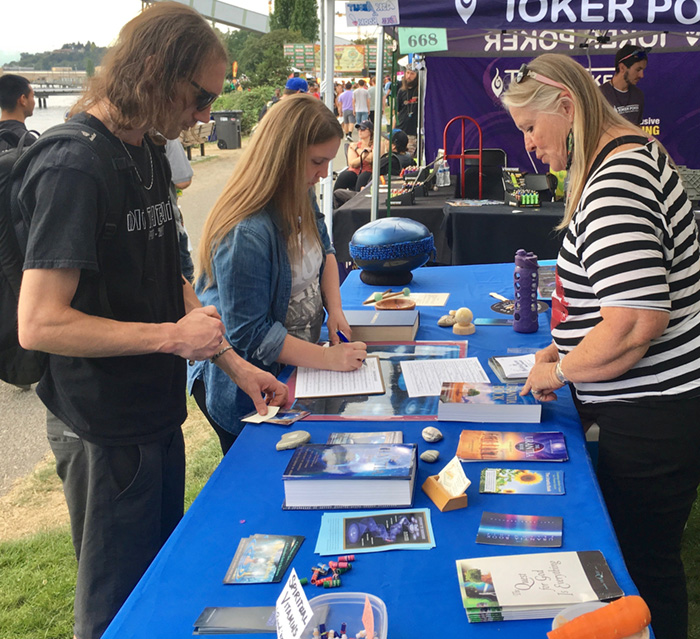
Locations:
(511, 446)
(533, 586)
(350, 476)
(372, 437)
(490, 403)
(383, 326)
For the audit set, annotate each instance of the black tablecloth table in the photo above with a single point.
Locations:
(492, 233)
(427, 210)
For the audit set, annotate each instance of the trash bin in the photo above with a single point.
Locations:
(228, 129)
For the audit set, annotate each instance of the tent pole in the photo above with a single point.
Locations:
(328, 90)
(377, 125)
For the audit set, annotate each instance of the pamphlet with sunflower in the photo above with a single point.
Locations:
(519, 481)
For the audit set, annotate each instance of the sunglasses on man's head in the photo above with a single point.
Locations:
(204, 98)
(526, 72)
(639, 54)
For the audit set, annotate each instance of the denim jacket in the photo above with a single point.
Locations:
(251, 290)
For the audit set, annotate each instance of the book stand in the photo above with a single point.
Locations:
(440, 497)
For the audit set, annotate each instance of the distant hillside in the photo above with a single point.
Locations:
(75, 55)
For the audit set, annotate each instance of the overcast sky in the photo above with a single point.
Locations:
(43, 25)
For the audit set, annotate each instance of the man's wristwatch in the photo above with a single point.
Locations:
(559, 374)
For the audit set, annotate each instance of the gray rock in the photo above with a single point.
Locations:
(430, 456)
(293, 439)
(431, 434)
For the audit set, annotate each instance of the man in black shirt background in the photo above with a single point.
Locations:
(16, 105)
(622, 91)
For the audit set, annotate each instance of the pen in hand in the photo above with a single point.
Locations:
(345, 340)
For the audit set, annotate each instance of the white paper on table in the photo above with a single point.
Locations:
(257, 418)
(453, 479)
(518, 366)
(424, 378)
(293, 611)
(366, 380)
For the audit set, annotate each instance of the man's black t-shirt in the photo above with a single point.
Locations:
(16, 129)
(109, 400)
(407, 107)
(629, 104)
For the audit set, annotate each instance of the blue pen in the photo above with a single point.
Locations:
(342, 337)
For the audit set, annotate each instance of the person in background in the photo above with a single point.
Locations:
(360, 158)
(372, 97)
(16, 105)
(621, 91)
(116, 317)
(180, 178)
(346, 109)
(407, 108)
(625, 318)
(360, 101)
(266, 262)
(314, 89)
(274, 100)
(294, 85)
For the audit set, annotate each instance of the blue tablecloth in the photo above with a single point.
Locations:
(420, 588)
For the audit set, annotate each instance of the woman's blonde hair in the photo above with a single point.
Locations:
(166, 45)
(593, 115)
(272, 170)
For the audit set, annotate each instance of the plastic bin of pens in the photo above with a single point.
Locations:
(335, 609)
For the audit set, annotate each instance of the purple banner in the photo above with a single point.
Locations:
(531, 42)
(678, 15)
(472, 86)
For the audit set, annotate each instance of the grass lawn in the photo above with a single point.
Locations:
(37, 573)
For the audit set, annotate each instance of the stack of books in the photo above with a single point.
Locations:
(350, 476)
(533, 586)
(489, 403)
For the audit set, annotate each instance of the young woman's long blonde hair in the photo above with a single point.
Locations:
(593, 115)
(272, 170)
(157, 52)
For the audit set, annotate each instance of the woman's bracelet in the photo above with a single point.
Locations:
(220, 353)
(560, 374)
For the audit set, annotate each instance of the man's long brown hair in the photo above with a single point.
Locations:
(163, 47)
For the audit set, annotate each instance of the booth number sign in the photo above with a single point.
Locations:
(418, 40)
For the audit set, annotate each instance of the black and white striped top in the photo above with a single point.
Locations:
(633, 243)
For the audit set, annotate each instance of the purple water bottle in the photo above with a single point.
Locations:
(525, 289)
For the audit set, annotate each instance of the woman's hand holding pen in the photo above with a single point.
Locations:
(345, 356)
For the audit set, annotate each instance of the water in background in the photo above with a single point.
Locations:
(54, 113)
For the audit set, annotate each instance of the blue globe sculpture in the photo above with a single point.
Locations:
(387, 250)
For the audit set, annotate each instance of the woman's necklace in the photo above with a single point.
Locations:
(136, 168)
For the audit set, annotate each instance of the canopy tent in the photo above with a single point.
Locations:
(504, 34)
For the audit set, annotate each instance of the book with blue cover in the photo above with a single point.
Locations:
(350, 476)
(488, 403)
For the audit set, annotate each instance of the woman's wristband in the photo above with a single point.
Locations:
(559, 374)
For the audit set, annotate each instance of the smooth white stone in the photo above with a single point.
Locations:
(293, 439)
(431, 434)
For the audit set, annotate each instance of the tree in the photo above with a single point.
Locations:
(281, 17)
(89, 67)
(263, 60)
(235, 42)
(305, 19)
